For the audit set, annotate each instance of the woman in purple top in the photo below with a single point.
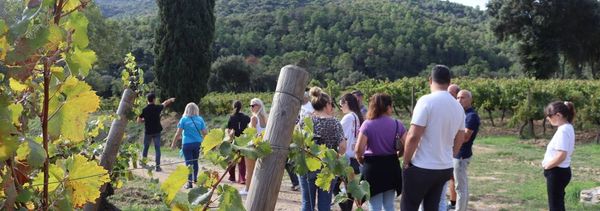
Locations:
(376, 152)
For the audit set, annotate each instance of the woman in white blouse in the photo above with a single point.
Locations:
(557, 160)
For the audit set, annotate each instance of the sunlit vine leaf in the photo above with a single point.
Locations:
(56, 175)
(324, 179)
(85, 179)
(70, 115)
(32, 152)
(212, 139)
(175, 181)
(80, 61)
(313, 164)
(230, 199)
(78, 23)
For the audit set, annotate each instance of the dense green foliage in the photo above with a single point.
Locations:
(549, 31)
(183, 42)
(521, 100)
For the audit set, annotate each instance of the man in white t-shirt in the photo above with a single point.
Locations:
(306, 109)
(436, 134)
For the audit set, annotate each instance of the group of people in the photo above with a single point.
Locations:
(436, 149)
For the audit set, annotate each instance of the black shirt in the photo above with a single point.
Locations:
(151, 115)
(238, 122)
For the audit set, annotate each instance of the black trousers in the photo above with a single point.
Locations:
(424, 185)
(557, 180)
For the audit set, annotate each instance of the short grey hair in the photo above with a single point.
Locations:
(191, 109)
(467, 92)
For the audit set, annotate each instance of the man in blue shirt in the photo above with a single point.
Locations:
(462, 159)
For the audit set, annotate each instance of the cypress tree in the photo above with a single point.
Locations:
(183, 49)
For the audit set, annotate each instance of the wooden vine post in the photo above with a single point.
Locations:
(113, 143)
(268, 172)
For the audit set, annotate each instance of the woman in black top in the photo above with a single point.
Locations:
(237, 123)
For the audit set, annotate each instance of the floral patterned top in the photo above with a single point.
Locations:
(327, 131)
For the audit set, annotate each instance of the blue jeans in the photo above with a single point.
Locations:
(191, 152)
(383, 201)
(310, 191)
(149, 138)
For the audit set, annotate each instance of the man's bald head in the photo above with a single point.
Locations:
(453, 89)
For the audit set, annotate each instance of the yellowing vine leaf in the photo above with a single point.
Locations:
(313, 164)
(175, 181)
(212, 139)
(56, 176)
(15, 111)
(16, 85)
(32, 152)
(8, 142)
(3, 40)
(71, 5)
(93, 176)
(70, 114)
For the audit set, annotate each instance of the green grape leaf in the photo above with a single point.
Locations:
(24, 196)
(56, 174)
(225, 148)
(15, 110)
(3, 40)
(248, 151)
(300, 162)
(26, 46)
(8, 141)
(359, 209)
(248, 134)
(230, 199)
(263, 149)
(71, 5)
(340, 198)
(199, 195)
(80, 61)
(175, 181)
(313, 164)
(85, 179)
(78, 23)
(16, 85)
(324, 179)
(69, 116)
(33, 152)
(213, 138)
(359, 189)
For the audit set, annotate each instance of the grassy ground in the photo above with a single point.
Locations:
(507, 171)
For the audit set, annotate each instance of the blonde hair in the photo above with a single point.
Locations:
(191, 109)
(261, 111)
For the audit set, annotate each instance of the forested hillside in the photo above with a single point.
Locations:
(347, 41)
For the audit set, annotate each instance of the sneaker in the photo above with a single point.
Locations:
(295, 187)
(243, 192)
(451, 207)
(158, 169)
(189, 185)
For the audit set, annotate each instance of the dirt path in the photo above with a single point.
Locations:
(287, 199)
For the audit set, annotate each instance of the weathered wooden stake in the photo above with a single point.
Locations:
(113, 143)
(268, 172)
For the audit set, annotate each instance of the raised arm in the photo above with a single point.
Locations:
(168, 102)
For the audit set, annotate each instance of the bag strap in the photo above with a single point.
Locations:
(192, 118)
(355, 125)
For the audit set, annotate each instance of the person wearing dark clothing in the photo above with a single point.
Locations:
(463, 158)
(150, 116)
(237, 123)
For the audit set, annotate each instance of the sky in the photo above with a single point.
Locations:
(472, 3)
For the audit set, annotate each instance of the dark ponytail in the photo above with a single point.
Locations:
(352, 103)
(237, 106)
(566, 109)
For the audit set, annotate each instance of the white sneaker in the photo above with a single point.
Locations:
(243, 192)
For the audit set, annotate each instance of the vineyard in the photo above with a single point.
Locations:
(519, 101)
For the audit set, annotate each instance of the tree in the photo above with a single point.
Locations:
(230, 73)
(183, 49)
